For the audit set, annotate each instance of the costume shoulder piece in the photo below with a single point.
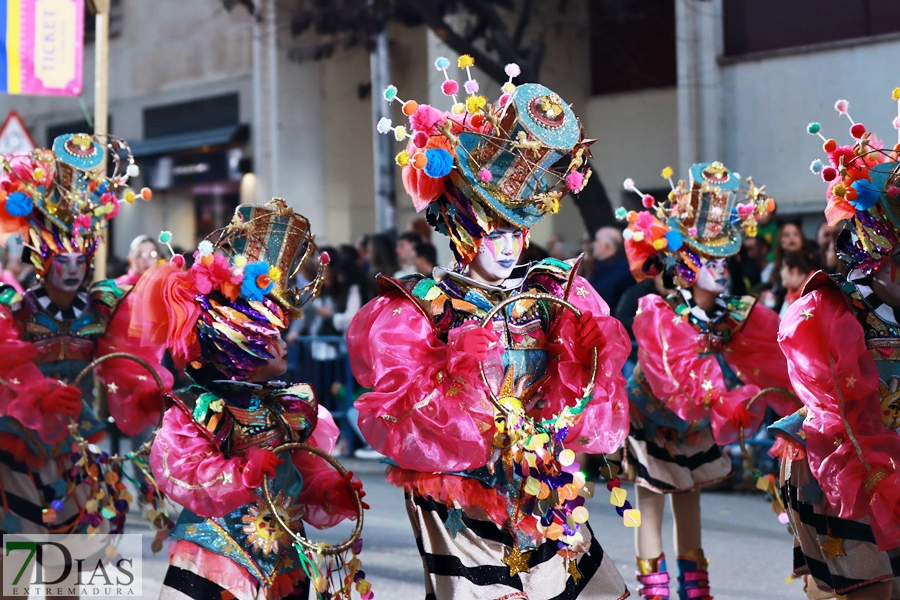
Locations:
(106, 295)
(553, 276)
(739, 308)
(203, 406)
(10, 298)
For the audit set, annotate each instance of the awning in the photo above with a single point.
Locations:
(218, 136)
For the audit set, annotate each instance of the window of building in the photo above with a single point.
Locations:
(761, 25)
(632, 45)
(195, 115)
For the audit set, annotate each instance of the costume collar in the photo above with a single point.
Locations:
(514, 281)
(78, 307)
(863, 284)
(719, 309)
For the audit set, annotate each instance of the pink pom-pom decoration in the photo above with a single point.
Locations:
(450, 87)
(427, 119)
(177, 260)
(892, 191)
(575, 181)
(512, 70)
(692, 232)
(485, 175)
(471, 86)
(857, 130)
(505, 98)
(841, 106)
(420, 139)
(829, 173)
(896, 122)
(324, 258)
(647, 200)
(628, 184)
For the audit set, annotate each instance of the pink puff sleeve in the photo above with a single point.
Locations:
(428, 409)
(837, 380)
(325, 504)
(135, 401)
(604, 424)
(193, 472)
(754, 355)
(693, 387)
(25, 385)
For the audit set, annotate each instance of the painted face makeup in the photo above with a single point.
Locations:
(67, 271)
(497, 256)
(713, 276)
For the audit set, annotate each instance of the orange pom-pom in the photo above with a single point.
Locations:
(477, 121)
(207, 260)
(262, 281)
(770, 204)
(146, 193)
(851, 194)
(419, 160)
(830, 145)
(409, 107)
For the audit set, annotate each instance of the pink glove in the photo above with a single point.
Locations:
(260, 463)
(65, 400)
(477, 342)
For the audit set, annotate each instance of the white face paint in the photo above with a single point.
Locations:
(67, 271)
(713, 276)
(497, 256)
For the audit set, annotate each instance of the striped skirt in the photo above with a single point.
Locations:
(840, 555)
(24, 493)
(673, 465)
(468, 566)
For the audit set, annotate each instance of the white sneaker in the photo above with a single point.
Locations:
(368, 453)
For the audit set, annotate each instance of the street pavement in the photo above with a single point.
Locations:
(749, 551)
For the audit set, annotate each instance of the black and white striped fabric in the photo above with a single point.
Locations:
(468, 566)
(855, 561)
(863, 284)
(79, 304)
(185, 581)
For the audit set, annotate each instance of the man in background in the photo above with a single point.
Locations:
(426, 259)
(406, 253)
(610, 275)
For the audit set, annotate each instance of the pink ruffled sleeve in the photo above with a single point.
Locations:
(837, 380)
(135, 401)
(26, 385)
(754, 355)
(326, 505)
(428, 410)
(604, 424)
(692, 386)
(193, 472)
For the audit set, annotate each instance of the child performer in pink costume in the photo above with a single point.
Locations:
(51, 481)
(492, 488)
(840, 452)
(224, 318)
(702, 355)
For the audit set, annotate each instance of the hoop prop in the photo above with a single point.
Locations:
(324, 549)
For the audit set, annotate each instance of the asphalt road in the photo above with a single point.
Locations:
(750, 552)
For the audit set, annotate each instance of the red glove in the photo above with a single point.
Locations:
(65, 400)
(260, 463)
(346, 486)
(588, 336)
(478, 342)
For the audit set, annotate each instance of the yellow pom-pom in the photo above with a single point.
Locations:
(839, 190)
(38, 173)
(660, 243)
(130, 196)
(475, 103)
(402, 158)
(465, 61)
(508, 87)
(399, 133)
(458, 108)
(896, 93)
(240, 261)
(638, 236)
(275, 274)
(667, 172)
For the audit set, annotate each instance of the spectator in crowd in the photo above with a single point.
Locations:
(826, 237)
(796, 267)
(143, 254)
(362, 248)
(426, 259)
(755, 261)
(790, 239)
(767, 229)
(7, 277)
(421, 228)
(382, 259)
(610, 275)
(406, 253)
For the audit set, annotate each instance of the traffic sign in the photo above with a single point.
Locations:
(14, 136)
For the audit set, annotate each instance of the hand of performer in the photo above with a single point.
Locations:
(260, 463)
(349, 483)
(587, 337)
(478, 342)
(65, 400)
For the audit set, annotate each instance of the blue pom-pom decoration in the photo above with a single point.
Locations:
(249, 289)
(440, 163)
(19, 204)
(674, 239)
(442, 63)
(813, 128)
(816, 166)
(866, 197)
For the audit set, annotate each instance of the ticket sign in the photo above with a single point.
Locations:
(42, 47)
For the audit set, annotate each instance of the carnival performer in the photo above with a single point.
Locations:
(839, 452)
(59, 201)
(702, 356)
(487, 461)
(223, 318)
